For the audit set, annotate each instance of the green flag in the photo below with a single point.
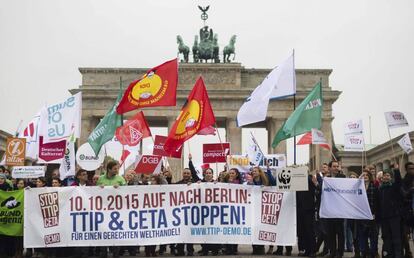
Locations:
(11, 213)
(307, 116)
(105, 130)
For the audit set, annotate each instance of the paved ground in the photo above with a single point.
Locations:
(244, 251)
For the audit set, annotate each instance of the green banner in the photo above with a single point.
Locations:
(11, 213)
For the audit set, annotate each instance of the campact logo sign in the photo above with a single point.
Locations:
(343, 191)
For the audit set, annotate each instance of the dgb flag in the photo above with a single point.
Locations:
(196, 114)
(156, 88)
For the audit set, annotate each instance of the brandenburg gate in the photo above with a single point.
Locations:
(228, 85)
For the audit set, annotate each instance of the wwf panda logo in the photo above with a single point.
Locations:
(284, 177)
(10, 203)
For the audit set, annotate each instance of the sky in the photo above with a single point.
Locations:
(368, 44)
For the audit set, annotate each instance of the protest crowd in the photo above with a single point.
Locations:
(231, 209)
(390, 199)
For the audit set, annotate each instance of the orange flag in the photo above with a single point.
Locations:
(196, 114)
(157, 87)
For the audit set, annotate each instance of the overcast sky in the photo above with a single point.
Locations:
(368, 44)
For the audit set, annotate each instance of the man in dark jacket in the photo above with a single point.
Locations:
(389, 212)
(305, 205)
(407, 190)
(187, 179)
(335, 226)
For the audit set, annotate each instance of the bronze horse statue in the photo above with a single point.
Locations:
(229, 49)
(182, 49)
(195, 50)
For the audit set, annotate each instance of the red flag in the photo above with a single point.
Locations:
(157, 87)
(125, 154)
(209, 130)
(133, 131)
(307, 139)
(196, 114)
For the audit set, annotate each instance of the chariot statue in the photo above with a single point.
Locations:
(206, 48)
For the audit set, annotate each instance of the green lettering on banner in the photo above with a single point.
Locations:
(11, 213)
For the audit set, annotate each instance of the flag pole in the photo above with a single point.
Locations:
(392, 145)
(218, 134)
(294, 132)
(188, 144)
(294, 108)
(122, 122)
(221, 143)
(257, 144)
(333, 155)
(18, 128)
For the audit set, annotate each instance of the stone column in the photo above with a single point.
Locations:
(88, 124)
(273, 125)
(386, 164)
(175, 164)
(233, 135)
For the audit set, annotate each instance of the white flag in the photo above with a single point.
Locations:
(395, 119)
(318, 137)
(31, 134)
(354, 142)
(67, 167)
(405, 143)
(353, 127)
(344, 198)
(254, 153)
(61, 120)
(279, 83)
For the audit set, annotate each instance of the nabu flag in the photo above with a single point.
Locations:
(196, 114)
(158, 87)
(308, 115)
(133, 131)
(105, 130)
(279, 83)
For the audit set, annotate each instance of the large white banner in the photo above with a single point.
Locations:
(395, 119)
(159, 214)
(344, 198)
(244, 164)
(61, 120)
